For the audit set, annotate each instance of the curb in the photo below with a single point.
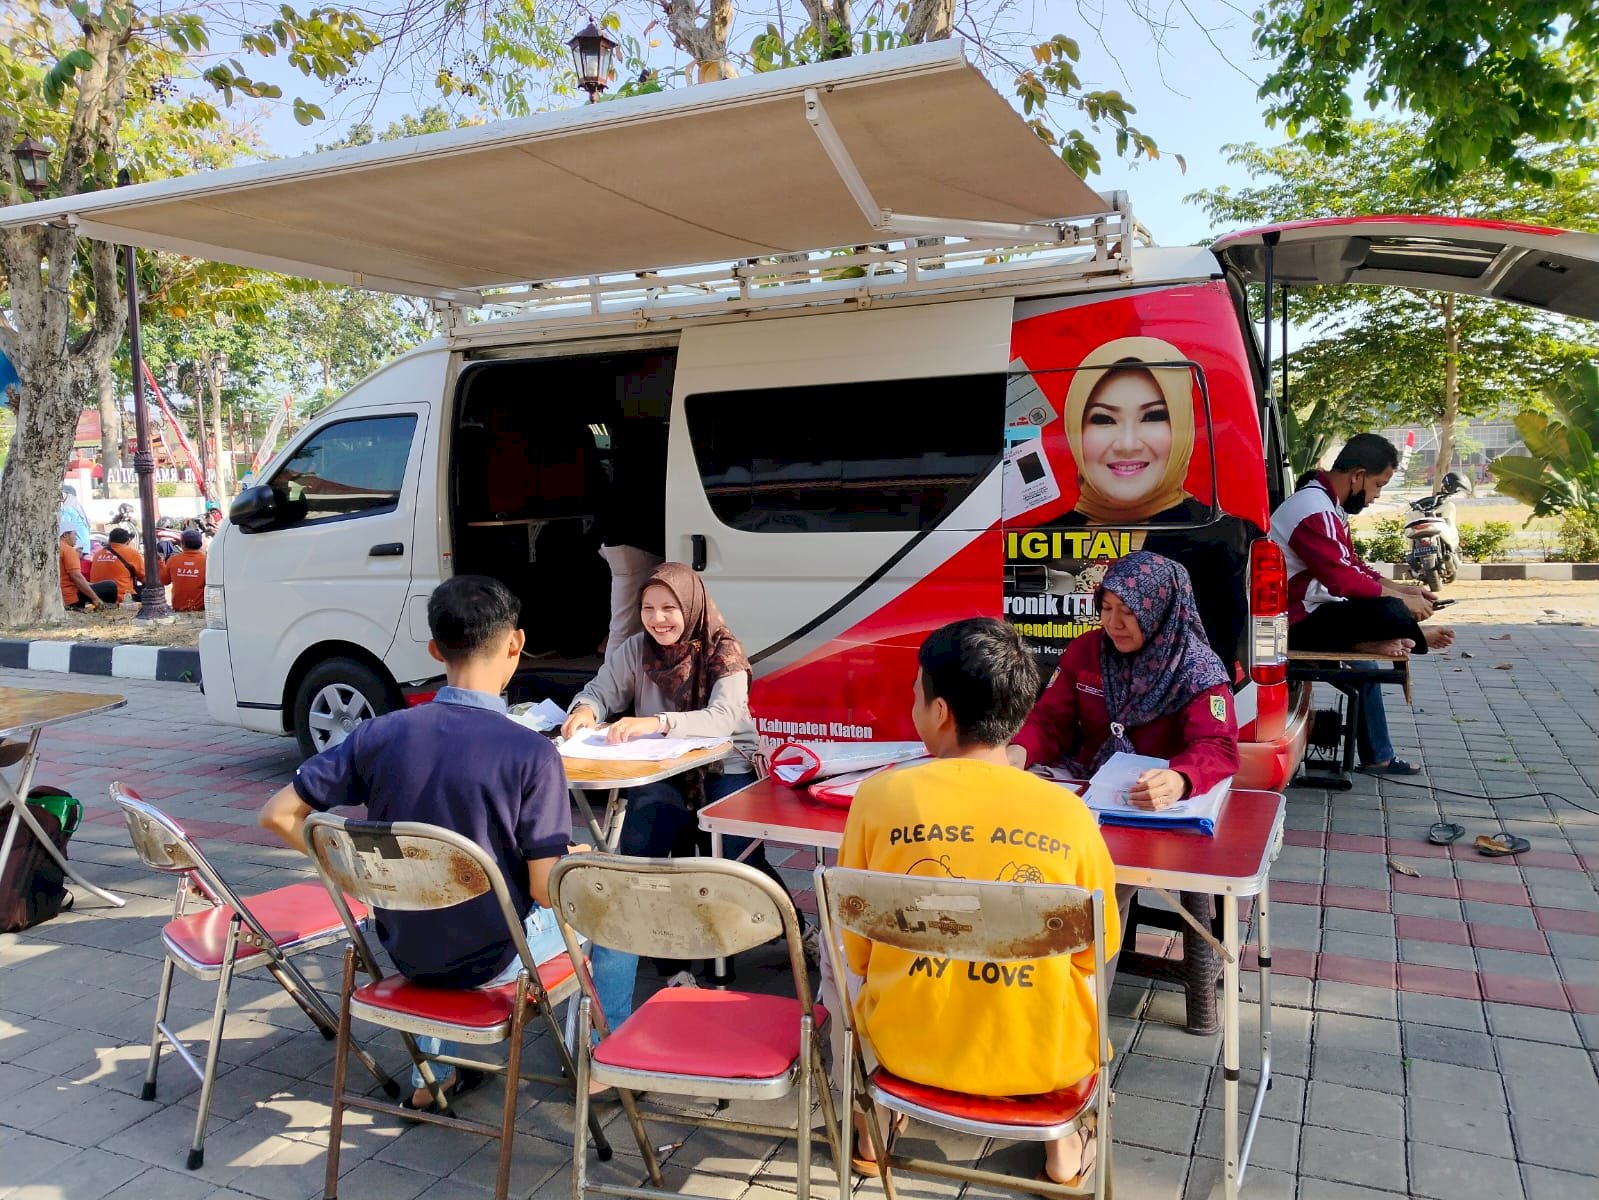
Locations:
(168, 664)
(1550, 572)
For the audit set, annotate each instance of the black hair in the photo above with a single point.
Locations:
(193, 539)
(121, 537)
(981, 669)
(1368, 452)
(466, 611)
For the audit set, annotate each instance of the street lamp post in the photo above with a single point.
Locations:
(593, 53)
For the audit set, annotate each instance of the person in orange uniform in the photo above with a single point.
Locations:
(76, 591)
(185, 571)
(118, 562)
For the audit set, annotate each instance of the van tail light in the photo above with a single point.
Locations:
(1268, 612)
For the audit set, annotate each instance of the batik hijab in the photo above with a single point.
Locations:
(688, 669)
(1174, 664)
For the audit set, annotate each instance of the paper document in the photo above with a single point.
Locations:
(591, 743)
(1107, 796)
(541, 717)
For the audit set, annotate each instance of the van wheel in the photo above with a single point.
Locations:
(335, 697)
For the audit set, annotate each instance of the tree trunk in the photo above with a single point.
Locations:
(202, 433)
(1451, 412)
(223, 464)
(929, 20)
(826, 16)
(110, 420)
(706, 42)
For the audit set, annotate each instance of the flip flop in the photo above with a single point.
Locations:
(1394, 766)
(1090, 1156)
(466, 1080)
(1445, 832)
(1501, 845)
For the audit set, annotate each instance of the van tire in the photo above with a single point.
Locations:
(338, 692)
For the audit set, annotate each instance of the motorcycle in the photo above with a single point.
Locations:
(1434, 554)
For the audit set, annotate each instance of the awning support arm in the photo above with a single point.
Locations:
(886, 221)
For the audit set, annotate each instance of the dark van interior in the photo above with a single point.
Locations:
(550, 459)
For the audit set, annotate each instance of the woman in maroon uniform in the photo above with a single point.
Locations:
(1146, 682)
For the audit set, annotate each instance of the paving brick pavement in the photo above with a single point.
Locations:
(1436, 1035)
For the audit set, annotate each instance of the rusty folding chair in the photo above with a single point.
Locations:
(705, 1043)
(216, 943)
(973, 922)
(408, 866)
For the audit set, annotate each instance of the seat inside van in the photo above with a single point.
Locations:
(551, 459)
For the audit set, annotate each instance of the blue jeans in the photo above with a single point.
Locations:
(660, 825)
(544, 940)
(1372, 739)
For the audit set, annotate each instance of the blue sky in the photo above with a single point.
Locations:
(1194, 89)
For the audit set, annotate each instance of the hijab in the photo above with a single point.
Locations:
(1176, 384)
(688, 669)
(1174, 664)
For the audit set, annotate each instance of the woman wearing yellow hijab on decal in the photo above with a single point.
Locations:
(1131, 427)
(1131, 430)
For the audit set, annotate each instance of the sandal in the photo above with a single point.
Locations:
(1445, 832)
(1394, 766)
(464, 1081)
(1085, 1165)
(867, 1167)
(1499, 845)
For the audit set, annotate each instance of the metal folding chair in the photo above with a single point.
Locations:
(216, 943)
(974, 922)
(408, 866)
(720, 1045)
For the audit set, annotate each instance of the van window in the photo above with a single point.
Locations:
(883, 455)
(348, 469)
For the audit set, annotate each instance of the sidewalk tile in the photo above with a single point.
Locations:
(1565, 1146)
(1542, 1183)
(1566, 920)
(1456, 1085)
(1515, 989)
(1335, 996)
(1356, 1110)
(1342, 1031)
(1438, 954)
(1431, 929)
(1494, 893)
(1425, 1009)
(1584, 997)
(1365, 972)
(87, 1175)
(1364, 899)
(1448, 1174)
(1439, 981)
(1426, 885)
(1355, 1158)
(1435, 1043)
(1500, 937)
(1455, 1126)
(1358, 1068)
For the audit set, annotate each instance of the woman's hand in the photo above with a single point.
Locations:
(627, 729)
(582, 717)
(1157, 789)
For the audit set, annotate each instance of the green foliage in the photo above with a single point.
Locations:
(1485, 542)
(166, 491)
(1579, 537)
(1490, 79)
(1385, 544)
(1559, 473)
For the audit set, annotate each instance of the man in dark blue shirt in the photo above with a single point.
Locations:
(460, 764)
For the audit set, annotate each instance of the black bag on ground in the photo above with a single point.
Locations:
(32, 884)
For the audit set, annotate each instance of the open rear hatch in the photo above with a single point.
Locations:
(901, 143)
(1551, 269)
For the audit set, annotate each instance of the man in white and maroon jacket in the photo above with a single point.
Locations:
(1336, 601)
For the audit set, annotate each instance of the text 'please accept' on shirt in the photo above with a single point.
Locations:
(468, 769)
(1004, 1029)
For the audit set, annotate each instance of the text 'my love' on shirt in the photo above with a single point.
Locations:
(1003, 1029)
(458, 763)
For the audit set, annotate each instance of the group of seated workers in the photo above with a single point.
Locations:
(1147, 682)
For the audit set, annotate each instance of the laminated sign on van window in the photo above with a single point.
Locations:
(1131, 424)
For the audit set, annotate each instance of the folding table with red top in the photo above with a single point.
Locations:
(1232, 864)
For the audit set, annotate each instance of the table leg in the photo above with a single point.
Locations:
(718, 966)
(1352, 732)
(1200, 967)
(1263, 1082)
(1229, 1046)
(615, 815)
(19, 812)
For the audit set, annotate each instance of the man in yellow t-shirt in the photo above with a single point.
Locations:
(1019, 1029)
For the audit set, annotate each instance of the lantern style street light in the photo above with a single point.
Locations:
(33, 164)
(593, 53)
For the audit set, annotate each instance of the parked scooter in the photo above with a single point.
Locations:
(1434, 555)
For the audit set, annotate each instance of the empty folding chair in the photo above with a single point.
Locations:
(969, 922)
(234, 934)
(409, 866)
(711, 1044)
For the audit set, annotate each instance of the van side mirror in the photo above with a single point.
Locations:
(254, 509)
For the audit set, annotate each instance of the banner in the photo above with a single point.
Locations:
(270, 438)
(177, 429)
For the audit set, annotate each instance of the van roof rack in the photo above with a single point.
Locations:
(1097, 247)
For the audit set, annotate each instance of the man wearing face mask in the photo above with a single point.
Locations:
(1336, 601)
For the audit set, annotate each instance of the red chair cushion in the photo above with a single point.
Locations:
(470, 1008)
(1051, 1108)
(296, 913)
(709, 1034)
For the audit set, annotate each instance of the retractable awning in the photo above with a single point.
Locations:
(781, 162)
(1553, 269)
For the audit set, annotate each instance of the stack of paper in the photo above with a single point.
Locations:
(1107, 796)
(591, 743)
(541, 717)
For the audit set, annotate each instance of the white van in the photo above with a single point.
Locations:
(854, 446)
